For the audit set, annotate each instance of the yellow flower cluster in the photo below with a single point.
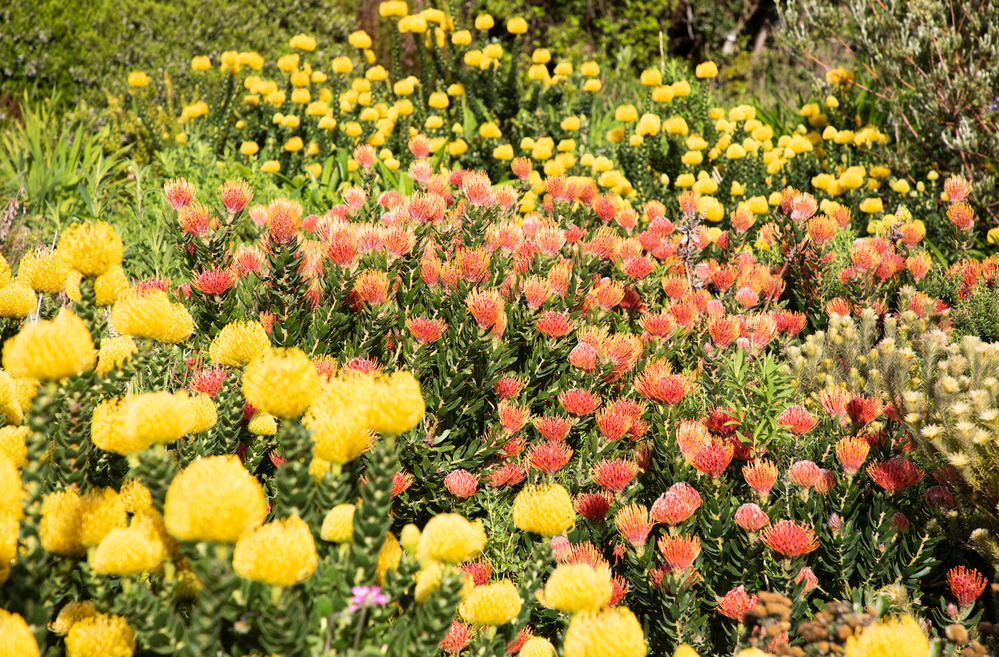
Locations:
(898, 636)
(544, 509)
(100, 636)
(91, 249)
(614, 632)
(129, 425)
(280, 553)
(578, 587)
(338, 525)
(134, 550)
(18, 641)
(238, 343)
(281, 382)
(50, 350)
(450, 538)
(150, 314)
(491, 604)
(214, 499)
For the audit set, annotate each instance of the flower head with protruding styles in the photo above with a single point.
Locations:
(613, 632)
(851, 453)
(281, 382)
(578, 587)
(450, 538)
(736, 603)
(895, 474)
(148, 313)
(760, 475)
(280, 553)
(179, 193)
(544, 509)
(633, 523)
(679, 552)
(238, 343)
(50, 350)
(491, 604)
(214, 499)
(91, 249)
(284, 217)
(100, 636)
(789, 539)
(236, 195)
(966, 585)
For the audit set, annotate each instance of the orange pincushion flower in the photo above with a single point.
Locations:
(713, 457)
(614, 475)
(371, 287)
(521, 167)
(760, 476)
(179, 193)
(461, 483)
(790, 539)
(895, 474)
(676, 504)
(751, 517)
(584, 356)
(690, 437)
(679, 551)
(957, 189)
(661, 325)
(550, 456)
(284, 217)
(633, 523)
(213, 281)
(797, 419)
(966, 585)
(612, 423)
(426, 330)
(657, 382)
(579, 402)
(554, 324)
(236, 195)
(804, 473)
(834, 400)
(485, 307)
(851, 453)
(736, 603)
(553, 427)
(724, 330)
(457, 638)
(593, 506)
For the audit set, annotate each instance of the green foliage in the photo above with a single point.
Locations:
(978, 313)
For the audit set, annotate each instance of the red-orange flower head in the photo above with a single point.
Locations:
(613, 475)
(804, 473)
(736, 603)
(457, 638)
(371, 287)
(713, 457)
(688, 203)
(613, 424)
(584, 356)
(721, 422)
(965, 584)
(419, 146)
(760, 476)
(637, 267)
(461, 483)
(579, 402)
(797, 419)
(236, 195)
(179, 193)
(676, 504)
(209, 381)
(603, 207)
(690, 437)
(194, 219)
(426, 330)
(961, 215)
(633, 523)
(608, 293)
(724, 330)
(284, 217)
(521, 167)
(214, 281)
(822, 229)
(790, 539)
(553, 427)
(477, 188)
(807, 574)
(851, 453)
(554, 324)
(747, 297)
(751, 517)
(513, 417)
(400, 482)
(864, 410)
(536, 291)
(803, 206)
(508, 474)
(485, 307)
(895, 474)
(661, 325)
(365, 155)
(956, 187)
(508, 387)
(550, 456)
(679, 551)
(657, 382)
(593, 506)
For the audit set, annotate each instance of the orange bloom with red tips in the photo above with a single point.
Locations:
(851, 453)
(760, 476)
(679, 551)
(614, 475)
(657, 382)
(895, 474)
(550, 457)
(966, 585)
(790, 539)
(633, 523)
(579, 402)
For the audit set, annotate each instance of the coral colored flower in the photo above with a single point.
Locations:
(676, 505)
(804, 473)
(614, 475)
(209, 381)
(400, 482)
(797, 419)
(508, 474)
(679, 551)
(661, 325)
(736, 603)
(811, 581)
(633, 523)
(236, 195)
(612, 423)
(895, 474)
(751, 517)
(485, 307)
(578, 402)
(713, 457)
(457, 639)
(371, 287)
(553, 427)
(550, 456)
(724, 330)
(790, 539)
(593, 506)
(461, 483)
(426, 330)
(508, 387)
(966, 585)
(760, 476)
(826, 482)
(536, 291)
(864, 410)
(834, 400)
(690, 437)
(214, 281)
(721, 422)
(657, 382)
(851, 453)
(584, 356)
(179, 193)
(899, 521)
(554, 324)
(513, 417)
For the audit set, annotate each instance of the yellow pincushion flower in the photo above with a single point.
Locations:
(158, 417)
(338, 418)
(359, 39)
(578, 587)
(395, 8)
(450, 538)
(651, 77)
(389, 556)
(100, 636)
(898, 636)
(16, 299)
(11, 493)
(205, 413)
(10, 528)
(45, 271)
(214, 499)
(91, 248)
(338, 525)
(281, 382)
(537, 646)
(491, 604)
(625, 113)
(427, 580)
(50, 350)
(59, 529)
(131, 551)
(280, 553)
(871, 205)
(303, 42)
(102, 511)
(544, 509)
(262, 424)
(706, 70)
(516, 25)
(13, 444)
(16, 636)
(610, 633)
(114, 352)
(70, 615)
(107, 429)
(135, 497)
(238, 343)
(110, 286)
(149, 314)
(398, 404)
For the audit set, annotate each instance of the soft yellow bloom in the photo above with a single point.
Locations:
(680, 88)
(50, 350)
(871, 205)
(114, 352)
(91, 248)
(281, 382)
(489, 130)
(214, 499)
(450, 538)
(280, 553)
(359, 39)
(338, 418)
(706, 70)
(898, 636)
(484, 22)
(578, 587)
(238, 343)
(544, 509)
(70, 615)
(651, 77)
(457, 147)
(13, 444)
(648, 125)
(110, 286)
(149, 314)
(130, 551)
(138, 79)
(613, 632)
(625, 113)
(303, 42)
(516, 25)
(100, 636)
(338, 525)
(503, 152)
(563, 68)
(395, 8)
(342, 65)
(491, 604)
